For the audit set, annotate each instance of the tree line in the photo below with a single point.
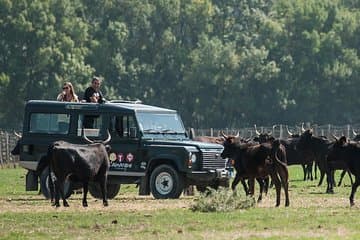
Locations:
(221, 63)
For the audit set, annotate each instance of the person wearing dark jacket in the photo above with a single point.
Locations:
(93, 93)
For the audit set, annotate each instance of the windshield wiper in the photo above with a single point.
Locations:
(151, 130)
(170, 131)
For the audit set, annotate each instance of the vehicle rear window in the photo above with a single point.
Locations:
(52, 123)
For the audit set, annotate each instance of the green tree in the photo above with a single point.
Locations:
(42, 45)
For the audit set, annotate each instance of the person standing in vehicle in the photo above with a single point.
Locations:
(68, 93)
(93, 93)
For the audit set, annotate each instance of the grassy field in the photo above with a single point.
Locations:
(312, 215)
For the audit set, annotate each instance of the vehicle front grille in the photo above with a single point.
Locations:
(212, 159)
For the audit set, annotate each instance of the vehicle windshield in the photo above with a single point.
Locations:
(160, 124)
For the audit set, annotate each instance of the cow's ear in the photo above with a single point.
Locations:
(108, 148)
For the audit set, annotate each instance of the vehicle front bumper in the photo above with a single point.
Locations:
(209, 175)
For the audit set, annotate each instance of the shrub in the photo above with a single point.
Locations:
(221, 200)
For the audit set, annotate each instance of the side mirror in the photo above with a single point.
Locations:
(133, 132)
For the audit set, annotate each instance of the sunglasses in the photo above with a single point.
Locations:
(65, 88)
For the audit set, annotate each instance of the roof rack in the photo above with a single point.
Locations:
(126, 101)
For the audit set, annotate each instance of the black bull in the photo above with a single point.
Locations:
(252, 161)
(79, 162)
(345, 155)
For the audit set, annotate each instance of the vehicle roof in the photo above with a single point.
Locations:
(111, 106)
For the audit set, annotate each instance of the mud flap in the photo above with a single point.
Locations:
(31, 181)
(144, 186)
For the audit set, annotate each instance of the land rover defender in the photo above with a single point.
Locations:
(149, 146)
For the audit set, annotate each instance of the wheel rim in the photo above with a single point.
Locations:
(164, 183)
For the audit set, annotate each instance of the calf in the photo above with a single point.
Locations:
(79, 162)
(253, 161)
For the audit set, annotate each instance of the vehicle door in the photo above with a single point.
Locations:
(125, 153)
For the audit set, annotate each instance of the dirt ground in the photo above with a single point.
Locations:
(128, 202)
(133, 202)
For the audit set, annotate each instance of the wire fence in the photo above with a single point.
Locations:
(282, 131)
(7, 143)
(8, 139)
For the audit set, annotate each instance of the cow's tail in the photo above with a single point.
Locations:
(283, 164)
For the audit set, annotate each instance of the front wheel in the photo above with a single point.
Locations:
(166, 182)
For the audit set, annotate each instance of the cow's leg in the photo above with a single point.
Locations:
(323, 170)
(245, 186)
(251, 182)
(330, 180)
(304, 170)
(236, 181)
(309, 168)
(266, 184)
(59, 185)
(102, 183)
(51, 188)
(277, 183)
(353, 190)
(261, 186)
(284, 177)
(85, 189)
(322, 174)
(351, 180)
(341, 177)
(57, 194)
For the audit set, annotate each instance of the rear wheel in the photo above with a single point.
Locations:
(111, 190)
(45, 185)
(166, 182)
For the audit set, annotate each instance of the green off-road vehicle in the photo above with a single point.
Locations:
(149, 146)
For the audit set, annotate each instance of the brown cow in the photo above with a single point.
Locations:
(253, 161)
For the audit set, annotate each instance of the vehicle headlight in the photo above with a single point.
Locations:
(193, 157)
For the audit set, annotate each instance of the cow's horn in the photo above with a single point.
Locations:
(85, 137)
(237, 134)
(302, 128)
(256, 131)
(335, 137)
(287, 128)
(108, 138)
(223, 134)
(17, 134)
(355, 133)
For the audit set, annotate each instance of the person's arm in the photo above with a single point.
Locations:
(101, 98)
(87, 94)
(60, 97)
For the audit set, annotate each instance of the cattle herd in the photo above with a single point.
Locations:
(263, 156)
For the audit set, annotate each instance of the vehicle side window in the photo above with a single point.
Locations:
(91, 124)
(123, 125)
(52, 123)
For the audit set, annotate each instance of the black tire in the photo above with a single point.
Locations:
(44, 185)
(165, 182)
(111, 190)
